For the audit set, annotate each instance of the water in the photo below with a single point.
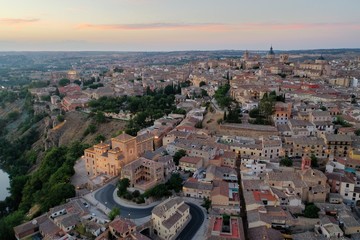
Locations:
(4, 185)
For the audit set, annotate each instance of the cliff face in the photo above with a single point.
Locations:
(73, 128)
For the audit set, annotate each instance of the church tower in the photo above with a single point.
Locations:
(271, 54)
(246, 55)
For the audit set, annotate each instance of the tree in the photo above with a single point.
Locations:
(202, 83)
(169, 89)
(113, 213)
(136, 193)
(9, 222)
(123, 184)
(175, 182)
(206, 204)
(45, 98)
(90, 129)
(58, 194)
(60, 118)
(339, 120)
(178, 155)
(100, 138)
(78, 82)
(221, 96)
(311, 211)
(254, 113)
(157, 192)
(357, 132)
(63, 82)
(323, 108)
(267, 105)
(286, 161)
(179, 111)
(314, 161)
(100, 117)
(226, 219)
(204, 93)
(12, 116)
(17, 185)
(233, 116)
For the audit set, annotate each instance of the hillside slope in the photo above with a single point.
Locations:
(73, 128)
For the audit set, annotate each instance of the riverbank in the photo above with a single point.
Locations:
(5, 185)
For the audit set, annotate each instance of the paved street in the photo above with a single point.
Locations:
(197, 218)
(105, 197)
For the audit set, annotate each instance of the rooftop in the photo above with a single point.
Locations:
(122, 225)
(124, 137)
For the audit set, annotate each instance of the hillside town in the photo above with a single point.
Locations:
(262, 146)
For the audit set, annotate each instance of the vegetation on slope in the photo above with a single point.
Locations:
(146, 109)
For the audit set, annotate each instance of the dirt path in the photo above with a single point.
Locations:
(210, 122)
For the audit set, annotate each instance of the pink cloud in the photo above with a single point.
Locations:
(294, 26)
(156, 26)
(217, 27)
(14, 21)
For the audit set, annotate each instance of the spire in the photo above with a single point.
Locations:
(271, 52)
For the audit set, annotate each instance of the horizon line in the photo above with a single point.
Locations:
(189, 50)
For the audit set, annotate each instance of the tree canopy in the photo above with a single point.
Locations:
(113, 213)
(146, 109)
(222, 97)
(63, 82)
(122, 186)
(311, 211)
(178, 155)
(286, 161)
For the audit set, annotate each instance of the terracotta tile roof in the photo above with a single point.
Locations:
(160, 209)
(122, 225)
(262, 195)
(143, 137)
(124, 137)
(193, 160)
(222, 188)
(264, 233)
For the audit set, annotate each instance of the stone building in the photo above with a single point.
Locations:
(143, 173)
(109, 158)
(170, 217)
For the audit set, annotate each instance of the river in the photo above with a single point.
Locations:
(4, 185)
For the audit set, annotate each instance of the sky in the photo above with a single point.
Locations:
(173, 25)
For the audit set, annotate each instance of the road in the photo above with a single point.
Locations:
(197, 219)
(105, 196)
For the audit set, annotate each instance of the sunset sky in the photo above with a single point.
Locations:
(166, 25)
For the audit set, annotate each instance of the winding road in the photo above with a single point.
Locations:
(197, 219)
(105, 196)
